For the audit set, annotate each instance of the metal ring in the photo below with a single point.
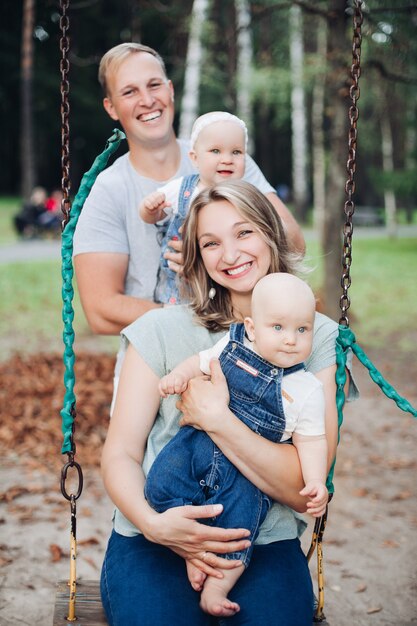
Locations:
(64, 473)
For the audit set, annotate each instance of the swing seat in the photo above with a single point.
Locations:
(88, 607)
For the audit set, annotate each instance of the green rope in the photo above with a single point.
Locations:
(68, 411)
(345, 340)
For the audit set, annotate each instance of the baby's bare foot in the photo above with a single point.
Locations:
(214, 601)
(195, 576)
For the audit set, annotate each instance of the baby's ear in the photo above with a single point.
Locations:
(250, 328)
(192, 156)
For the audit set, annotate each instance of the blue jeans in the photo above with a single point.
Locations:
(191, 469)
(145, 584)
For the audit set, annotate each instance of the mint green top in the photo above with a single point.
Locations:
(164, 338)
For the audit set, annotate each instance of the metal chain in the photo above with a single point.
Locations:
(64, 45)
(349, 207)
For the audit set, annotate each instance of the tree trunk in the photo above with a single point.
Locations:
(244, 67)
(317, 131)
(298, 115)
(410, 156)
(388, 168)
(190, 99)
(26, 112)
(338, 90)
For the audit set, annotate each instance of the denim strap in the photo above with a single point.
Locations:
(188, 185)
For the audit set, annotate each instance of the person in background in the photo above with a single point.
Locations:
(27, 220)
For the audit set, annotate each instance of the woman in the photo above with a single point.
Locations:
(232, 238)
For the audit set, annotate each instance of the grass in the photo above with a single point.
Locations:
(8, 208)
(31, 311)
(383, 290)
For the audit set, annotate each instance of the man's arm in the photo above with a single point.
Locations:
(295, 236)
(292, 229)
(101, 282)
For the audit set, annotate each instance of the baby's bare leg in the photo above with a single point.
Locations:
(214, 598)
(195, 576)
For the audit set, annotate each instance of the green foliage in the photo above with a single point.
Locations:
(271, 86)
(401, 182)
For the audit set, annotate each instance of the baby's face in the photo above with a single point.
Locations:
(219, 153)
(283, 331)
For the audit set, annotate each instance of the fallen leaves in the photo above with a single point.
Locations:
(57, 553)
(31, 398)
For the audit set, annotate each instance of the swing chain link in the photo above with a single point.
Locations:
(71, 463)
(64, 66)
(349, 207)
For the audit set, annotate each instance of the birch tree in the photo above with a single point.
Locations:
(244, 67)
(317, 131)
(298, 113)
(388, 168)
(190, 99)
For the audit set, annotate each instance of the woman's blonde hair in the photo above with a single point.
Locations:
(114, 57)
(217, 313)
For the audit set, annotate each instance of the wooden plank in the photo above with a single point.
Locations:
(88, 607)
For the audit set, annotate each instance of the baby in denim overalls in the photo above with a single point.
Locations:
(217, 149)
(271, 392)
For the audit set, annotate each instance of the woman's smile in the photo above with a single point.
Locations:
(234, 253)
(238, 270)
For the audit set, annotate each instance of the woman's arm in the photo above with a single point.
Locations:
(274, 468)
(136, 406)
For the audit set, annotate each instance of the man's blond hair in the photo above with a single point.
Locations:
(114, 57)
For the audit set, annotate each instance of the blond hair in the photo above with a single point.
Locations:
(217, 313)
(114, 57)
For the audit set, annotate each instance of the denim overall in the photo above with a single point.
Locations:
(191, 469)
(166, 290)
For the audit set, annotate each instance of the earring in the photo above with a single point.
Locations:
(212, 293)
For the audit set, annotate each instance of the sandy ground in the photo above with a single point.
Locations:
(369, 543)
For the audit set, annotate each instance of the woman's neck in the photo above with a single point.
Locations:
(241, 306)
(160, 162)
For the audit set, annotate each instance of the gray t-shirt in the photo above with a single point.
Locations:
(110, 222)
(164, 338)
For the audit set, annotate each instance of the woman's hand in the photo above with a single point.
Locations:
(205, 399)
(178, 529)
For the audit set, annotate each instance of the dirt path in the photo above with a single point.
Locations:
(370, 540)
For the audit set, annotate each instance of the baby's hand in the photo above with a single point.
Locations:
(319, 497)
(173, 383)
(152, 206)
